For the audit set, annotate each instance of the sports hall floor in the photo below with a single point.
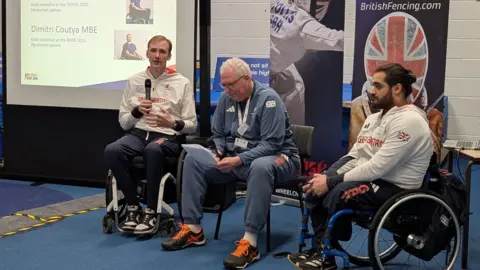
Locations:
(77, 242)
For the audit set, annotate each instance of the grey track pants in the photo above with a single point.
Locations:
(261, 177)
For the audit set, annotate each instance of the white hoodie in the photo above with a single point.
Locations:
(396, 147)
(170, 91)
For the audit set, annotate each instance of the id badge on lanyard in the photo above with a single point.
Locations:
(242, 119)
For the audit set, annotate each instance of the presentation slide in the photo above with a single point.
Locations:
(63, 51)
(90, 43)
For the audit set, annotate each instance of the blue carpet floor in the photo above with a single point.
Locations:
(78, 242)
(16, 197)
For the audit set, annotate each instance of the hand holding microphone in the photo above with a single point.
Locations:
(145, 107)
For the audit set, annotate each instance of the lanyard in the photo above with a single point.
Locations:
(243, 118)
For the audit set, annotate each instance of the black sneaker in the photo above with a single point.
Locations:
(147, 222)
(133, 218)
(298, 257)
(316, 262)
(244, 255)
(184, 238)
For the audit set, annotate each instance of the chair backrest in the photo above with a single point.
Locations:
(303, 139)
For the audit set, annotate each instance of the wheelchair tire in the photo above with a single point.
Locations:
(389, 206)
(167, 228)
(107, 223)
(366, 262)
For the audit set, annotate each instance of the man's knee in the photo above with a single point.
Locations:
(154, 150)
(112, 150)
(190, 162)
(263, 166)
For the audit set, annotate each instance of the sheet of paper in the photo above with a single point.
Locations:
(200, 153)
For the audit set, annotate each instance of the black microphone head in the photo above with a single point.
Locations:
(148, 87)
(148, 83)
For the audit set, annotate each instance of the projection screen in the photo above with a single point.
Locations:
(67, 53)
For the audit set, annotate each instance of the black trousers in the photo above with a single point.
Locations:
(119, 154)
(346, 195)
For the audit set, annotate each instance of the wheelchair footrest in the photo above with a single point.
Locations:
(331, 252)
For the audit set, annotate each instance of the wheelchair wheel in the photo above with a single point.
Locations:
(167, 228)
(364, 261)
(107, 223)
(404, 215)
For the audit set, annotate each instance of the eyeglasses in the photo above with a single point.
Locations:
(231, 85)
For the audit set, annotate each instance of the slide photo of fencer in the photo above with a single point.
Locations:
(139, 11)
(131, 45)
(397, 38)
(296, 27)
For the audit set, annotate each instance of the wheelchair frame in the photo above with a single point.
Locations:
(380, 216)
(113, 206)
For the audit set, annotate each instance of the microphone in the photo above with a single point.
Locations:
(148, 88)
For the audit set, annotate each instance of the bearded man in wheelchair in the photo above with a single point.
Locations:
(392, 154)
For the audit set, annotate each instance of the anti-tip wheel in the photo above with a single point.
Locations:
(107, 224)
(167, 228)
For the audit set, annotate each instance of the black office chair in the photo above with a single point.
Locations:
(303, 138)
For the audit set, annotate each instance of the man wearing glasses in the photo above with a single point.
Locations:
(253, 143)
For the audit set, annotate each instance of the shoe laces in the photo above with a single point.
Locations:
(242, 248)
(183, 231)
(132, 215)
(147, 217)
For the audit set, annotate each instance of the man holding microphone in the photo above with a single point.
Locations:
(157, 110)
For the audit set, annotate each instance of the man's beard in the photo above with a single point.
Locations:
(384, 103)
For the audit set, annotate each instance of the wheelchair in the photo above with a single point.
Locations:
(116, 206)
(132, 20)
(408, 216)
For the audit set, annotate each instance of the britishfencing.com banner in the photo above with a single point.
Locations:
(411, 33)
(306, 70)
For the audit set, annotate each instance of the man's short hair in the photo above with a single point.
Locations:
(237, 65)
(161, 38)
(396, 73)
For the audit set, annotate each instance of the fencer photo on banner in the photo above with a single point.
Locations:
(306, 68)
(413, 34)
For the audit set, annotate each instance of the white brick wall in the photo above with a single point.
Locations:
(240, 28)
(462, 84)
(349, 40)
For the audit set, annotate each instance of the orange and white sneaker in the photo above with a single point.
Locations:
(184, 238)
(244, 255)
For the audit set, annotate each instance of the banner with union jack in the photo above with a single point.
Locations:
(411, 33)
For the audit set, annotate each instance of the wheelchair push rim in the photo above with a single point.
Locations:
(385, 211)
